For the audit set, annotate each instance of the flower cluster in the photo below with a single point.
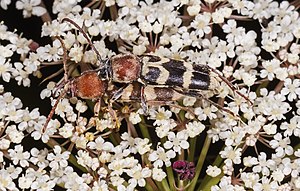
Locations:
(115, 144)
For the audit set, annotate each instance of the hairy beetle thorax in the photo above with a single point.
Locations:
(89, 86)
(125, 68)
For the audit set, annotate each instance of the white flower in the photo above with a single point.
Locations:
(194, 10)
(249, 179)
(4, 144)
(14, 135)
(213, 171)
(117, 167)
(277, 175)
(43, 183)
(291, 88)
(47, 92)
(117, 181)
(63, 107)
(39, 157)
(76, 53)
(202, 24)
(100, 145)
(134, 118)
(38, 133)
(20, 75)
(231, 156)
(293, 127)
(85, 160)
(142, 145)
(81, 141)
(100, 185)
(158, 174)
(281, 145)
(249, 161)
(160, 156)
(264, 166)
(270, 68)
(5, 69)
(50, 53)
(6, 51)
(161, 116)
(24, 182)
(177, 141)
(4, 3)
(13, 171)
(219, 15)
(6, 182)
(18, 156)
(164, 129)
(30, 7)
(138, 175)
(189, 101)
(224, 184)
(67, 130)
(194, 128)
(90, 16)
(58, 159)
(54, 28)
(206, 111)
(81, 106)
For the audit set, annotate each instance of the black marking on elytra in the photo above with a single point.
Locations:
(199, 81)
(176, 71)
(201, 68)
(153, 58)
(152, 75)
(174, 64)
(163, 94)
(136, 92)
(200, 78)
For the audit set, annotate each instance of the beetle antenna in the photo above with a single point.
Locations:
(86, 37)
(66, 85)
(53, 109)
(230, 85)
(64, 57)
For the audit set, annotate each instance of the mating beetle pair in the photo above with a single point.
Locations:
(154, 75)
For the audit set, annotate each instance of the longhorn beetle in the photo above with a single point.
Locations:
(169, 79)
(182, 76)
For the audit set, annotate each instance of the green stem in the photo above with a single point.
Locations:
(144, 129)
(160, 185)
(192, 149)
(200, 163)
(113, 139)
(209, 183)
(170, 176)
(208, 180)
(165, 185)
(149, 187)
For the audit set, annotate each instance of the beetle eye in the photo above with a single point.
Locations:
(103, 72)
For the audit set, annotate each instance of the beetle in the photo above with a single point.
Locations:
(148, 69)
(168, 77)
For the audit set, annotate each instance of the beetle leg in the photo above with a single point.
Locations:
(114, 116)
(198, 94)
(143, 100)
(97, 108)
